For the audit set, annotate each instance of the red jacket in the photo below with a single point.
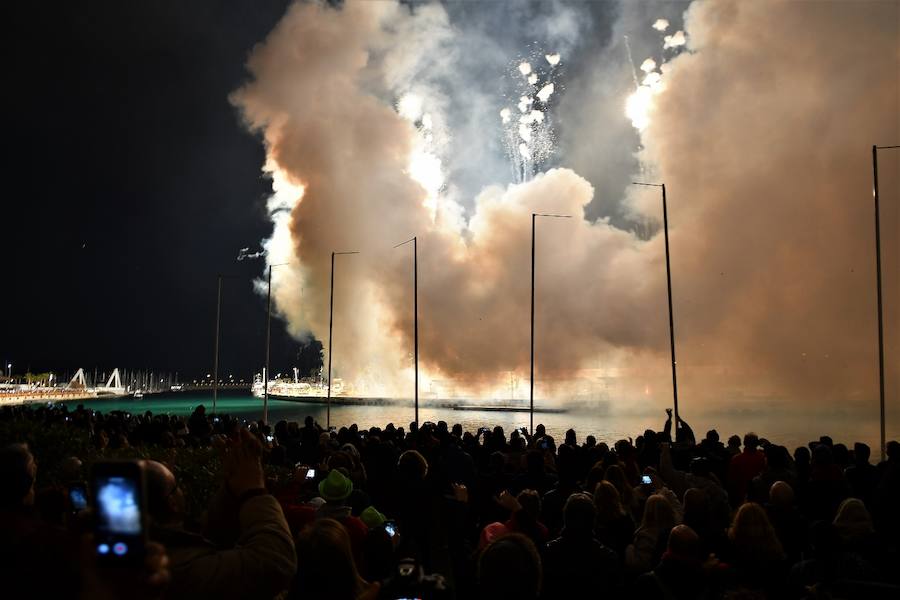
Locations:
(741, 471)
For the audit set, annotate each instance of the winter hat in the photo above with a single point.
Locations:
(335, 487)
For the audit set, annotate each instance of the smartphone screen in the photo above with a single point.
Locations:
(78, 497)
(119, 530)
(311, 474)
(646, 480)
(390, 528)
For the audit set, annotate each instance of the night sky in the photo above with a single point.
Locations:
(130, 183)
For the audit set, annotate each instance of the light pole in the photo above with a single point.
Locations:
(330, 328)
(216, 347)
(415, 321)
(668, 297)
(875, 150)
(268, 337)
(534, 217)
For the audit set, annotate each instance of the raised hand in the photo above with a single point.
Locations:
(243, 469)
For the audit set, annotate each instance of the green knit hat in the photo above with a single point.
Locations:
(335, 487)
(372, 518)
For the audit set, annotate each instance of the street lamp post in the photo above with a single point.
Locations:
(534, 217)
(415, 321)
(268, 338)
(669, 298)
(875, 150)
(330, 328)
(216, 347)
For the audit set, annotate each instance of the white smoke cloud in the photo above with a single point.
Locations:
(245, 254)
(327, 96)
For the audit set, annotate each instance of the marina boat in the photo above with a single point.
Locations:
(296, 389)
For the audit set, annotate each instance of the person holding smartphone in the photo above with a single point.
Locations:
(262, 560)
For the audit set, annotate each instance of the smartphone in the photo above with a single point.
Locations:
(391, 528)
(78, 496)
(311, 474)
(120, 512)
(269, 438)
(646, 480)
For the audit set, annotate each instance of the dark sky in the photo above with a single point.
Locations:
(129, 184)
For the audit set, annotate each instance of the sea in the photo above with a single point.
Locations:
(791, 428)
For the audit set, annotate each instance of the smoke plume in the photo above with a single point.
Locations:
(371, 114)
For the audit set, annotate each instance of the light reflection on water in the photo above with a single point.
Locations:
(789, 429)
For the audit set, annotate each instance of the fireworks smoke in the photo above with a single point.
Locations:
(368, 122)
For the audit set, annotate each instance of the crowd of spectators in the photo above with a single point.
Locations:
(434, 511)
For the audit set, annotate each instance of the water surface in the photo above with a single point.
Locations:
(788, 428)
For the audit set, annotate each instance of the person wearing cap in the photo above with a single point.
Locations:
(378, 550)
(372, 518)
(334, 491)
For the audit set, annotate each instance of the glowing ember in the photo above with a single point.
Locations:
(525, 103)
(674, 40)
(545, 93)
(638, 107)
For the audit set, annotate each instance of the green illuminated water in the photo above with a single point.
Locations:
(789, 429)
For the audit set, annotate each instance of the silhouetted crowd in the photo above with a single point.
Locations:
(438, 512)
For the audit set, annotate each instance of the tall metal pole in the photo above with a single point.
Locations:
(668, 297)
(216, 347)
(268, 336)
(330, 326)
(875, 150)
(671, 316)
(534, 217)
(416, 320)
(878, 287)
(531, 377)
